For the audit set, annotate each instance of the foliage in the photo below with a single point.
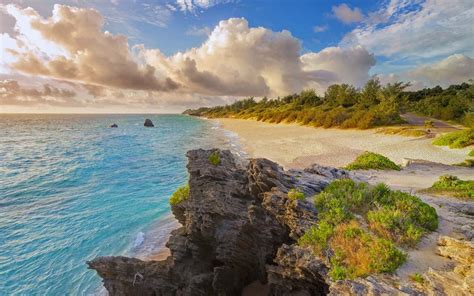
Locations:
(215, 158)
(471, 153)
(453, 103)
(452, 185)
(294, 194)
(429, 123)
(372, 161)
(458, 139)
(416, 277)
(403, 131)
(393, 217)
(469, 163)
(345, 106)
(182, 193)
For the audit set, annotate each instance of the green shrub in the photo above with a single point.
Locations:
(466, 163)
(394, 217)
(416, 277)
(453, 186)
(457, 139)
(372, 161)
(429, 123)
(215, 158)
(182, 193)
(294, 194)
(471, 153)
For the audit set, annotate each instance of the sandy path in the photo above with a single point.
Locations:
(297, 146)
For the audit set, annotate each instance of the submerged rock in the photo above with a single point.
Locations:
(148, 123)
(114, 125)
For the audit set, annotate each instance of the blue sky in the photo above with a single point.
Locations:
(212, 51)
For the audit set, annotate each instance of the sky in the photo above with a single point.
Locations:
(117, 56)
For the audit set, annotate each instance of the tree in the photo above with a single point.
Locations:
(340, 95)
(370, 92)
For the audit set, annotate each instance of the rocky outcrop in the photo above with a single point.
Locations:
(114, 125)
(239, 227)
(238, 224)
(148, 123)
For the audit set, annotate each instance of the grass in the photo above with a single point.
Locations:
(294, 194)
(215, 158)
(416, 277)
(403, 131)
(182, 193)
(466, 163)
(459, 139)
(360, 227)
(372, 161)
(453, 186)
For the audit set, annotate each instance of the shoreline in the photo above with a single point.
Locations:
(296, 146)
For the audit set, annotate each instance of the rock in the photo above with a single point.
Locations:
(240, 228)
(148, 123)
(236, 218)
(114, 125)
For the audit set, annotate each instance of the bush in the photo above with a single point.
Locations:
(394, 217)
(215, 158)
(471, 153)
(182, 193)
(429, 123)
(416, 277)
(372, 161)
(457, 139)
(294, 194)
(452, 185)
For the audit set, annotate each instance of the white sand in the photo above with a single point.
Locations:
(298, 146)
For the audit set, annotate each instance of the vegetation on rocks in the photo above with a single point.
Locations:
(344, 106)
(457, 139)
(215, 158)
(360, 227)
(372, 161)
(294, 194)
(453, 186)
(182, 193)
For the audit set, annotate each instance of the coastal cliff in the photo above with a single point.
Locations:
(240, 227)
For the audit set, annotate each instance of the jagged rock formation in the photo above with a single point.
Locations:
(235, 220)
(239, 226)
(148, 123)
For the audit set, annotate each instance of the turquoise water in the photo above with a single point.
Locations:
(72, 189)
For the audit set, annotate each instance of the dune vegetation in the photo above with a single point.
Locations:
(452, 186)
(372, 161)
(458, 139)
(361, 227)
(345, 106)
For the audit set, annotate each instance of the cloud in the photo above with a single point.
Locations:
(193, 5)
(455, 69)
(195, 31)
(411, 30)
(243, 61)
(90, 55)
(319, 29)
(11, 93)
(347, 15)
(342, 65)
(234, 61)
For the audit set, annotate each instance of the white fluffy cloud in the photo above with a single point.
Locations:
(454, 69)
(346, 14)
(243, 61)
(437, 28)
(350, 65)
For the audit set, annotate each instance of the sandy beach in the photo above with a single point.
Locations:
(298, 146)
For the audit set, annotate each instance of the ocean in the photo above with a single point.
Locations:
(72, 189)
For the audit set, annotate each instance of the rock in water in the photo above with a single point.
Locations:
(114, 125)
(148, 123)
